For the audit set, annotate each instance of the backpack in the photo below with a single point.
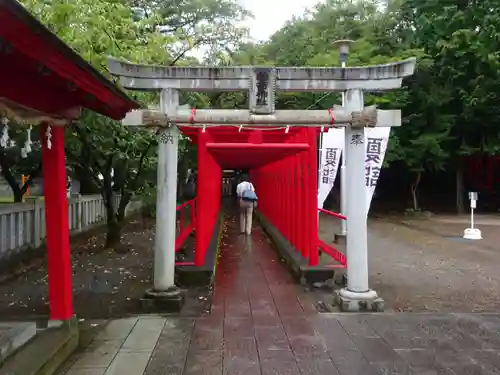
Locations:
(249, 195)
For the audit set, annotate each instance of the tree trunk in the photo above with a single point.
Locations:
(113, 226)
(87, 185)
(182, 176)
(459, 175)
(18, 197)
(180, 189)
(11, 180)
(120, 212)
(113, 233)
(414, 191)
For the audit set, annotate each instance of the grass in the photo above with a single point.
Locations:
(11, 199)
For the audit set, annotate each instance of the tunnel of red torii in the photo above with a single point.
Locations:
(279, 147)
(44, 82)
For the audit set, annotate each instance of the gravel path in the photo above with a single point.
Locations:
(415, 268)
(421, 265)
(106, 283)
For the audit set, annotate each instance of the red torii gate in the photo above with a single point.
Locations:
(283, 163)
(44, 82)
(281, 183)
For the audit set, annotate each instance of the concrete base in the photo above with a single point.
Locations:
(292, 258)
(45, 352)
(472, 234)
(340, 238)
(170, 300)
(359, 302)
(188, 276)
(13, 336)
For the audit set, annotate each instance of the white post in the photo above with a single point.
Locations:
(472, 233)
(79, 221)
(166, 201)
(37, 222)
(357, 294)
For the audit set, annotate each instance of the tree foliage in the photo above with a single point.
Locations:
(14, 162)
(449, 105)
(104, 155)
(192, 24)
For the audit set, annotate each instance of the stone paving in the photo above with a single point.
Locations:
(14, 335)
(262, 323)
(416, 270)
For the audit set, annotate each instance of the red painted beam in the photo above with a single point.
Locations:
(23, 85)
(236, 129)
(258, 146)
(222, 130)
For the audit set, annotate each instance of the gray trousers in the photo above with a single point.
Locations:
(246, 212)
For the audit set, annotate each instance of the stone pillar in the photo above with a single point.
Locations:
(341, 237)
(343, 184)
(357, 296)
(165, 293)
(56, 219)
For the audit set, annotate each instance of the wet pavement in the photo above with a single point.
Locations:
(417, 270)
(262, 323)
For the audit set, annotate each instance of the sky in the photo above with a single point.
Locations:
(271, 15)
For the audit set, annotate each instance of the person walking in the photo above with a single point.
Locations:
(247, 198)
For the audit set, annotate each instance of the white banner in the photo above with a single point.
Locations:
(331, 149)
(376, 140)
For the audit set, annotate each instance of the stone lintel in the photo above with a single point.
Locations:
(152, 77)
(200, 85)
(369, 117)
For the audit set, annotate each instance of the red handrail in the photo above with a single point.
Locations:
(184, 231)
(333, 252)
(185, 263)
(334, 214)
(329, 249)
(186, 203)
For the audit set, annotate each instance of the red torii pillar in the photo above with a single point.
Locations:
(57, 227)
(208, 190)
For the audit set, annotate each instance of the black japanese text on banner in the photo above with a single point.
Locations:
(376, 140)
(331, 149)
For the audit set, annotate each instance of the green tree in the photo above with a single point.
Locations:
(14, 162)
(420, 144)
(382, 34)
(210, 26)
(146, 32)
(118, 159)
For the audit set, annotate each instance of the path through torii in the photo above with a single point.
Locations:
(262, 84)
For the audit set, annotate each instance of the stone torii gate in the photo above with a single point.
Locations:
(262, 84)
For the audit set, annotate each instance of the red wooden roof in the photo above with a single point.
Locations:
(245, 148)
(40, 72)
